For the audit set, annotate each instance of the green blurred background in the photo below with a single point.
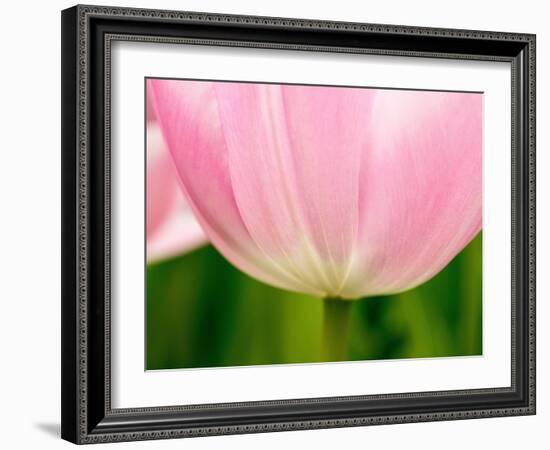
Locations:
(203, 312)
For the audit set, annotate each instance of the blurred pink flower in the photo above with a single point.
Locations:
(336, 192)
(171, 226)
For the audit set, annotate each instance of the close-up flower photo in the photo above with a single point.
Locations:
(302, 223)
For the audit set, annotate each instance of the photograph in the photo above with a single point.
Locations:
(294, 224)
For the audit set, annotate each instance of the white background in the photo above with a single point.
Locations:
(30, 190)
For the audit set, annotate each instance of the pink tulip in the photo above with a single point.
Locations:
(335, 192)
(171, 226)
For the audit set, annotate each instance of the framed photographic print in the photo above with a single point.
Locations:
(275, 224)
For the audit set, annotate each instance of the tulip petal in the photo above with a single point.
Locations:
(161, 194)
(179, 233)
(421, 196)
(188, 114)
(293, 156)
(171, 226)
(150, 112)
(330, 191)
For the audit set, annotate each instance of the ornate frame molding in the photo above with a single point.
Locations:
(86, 422)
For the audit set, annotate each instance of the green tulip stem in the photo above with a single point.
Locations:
(336, 313)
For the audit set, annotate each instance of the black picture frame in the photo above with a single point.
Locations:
(87, 416)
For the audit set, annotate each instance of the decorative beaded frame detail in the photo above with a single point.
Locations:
(84, 14)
